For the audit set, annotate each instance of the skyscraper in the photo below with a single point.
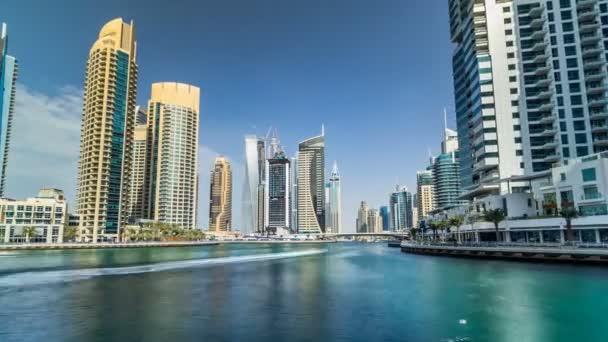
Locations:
(253, 194)
(139, 169)
(486, 79)
(104, 171)
(362, 215)
(311, 185)
(334, 202)
(173, 112)
(445, 170)
(424, 188)
(374, 221)
(386, 219)
(401, 209)
(8, 78)
(278, 190)
(220, 197)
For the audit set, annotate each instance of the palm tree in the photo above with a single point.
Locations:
(444, 225)
(457, 221)
(495, 216)
(414, 233)
(568, 212)
(434, 225)
(471, 219)
(69, 233)
(29, 232)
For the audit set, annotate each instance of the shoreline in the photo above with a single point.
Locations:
(106, 245)
(525, 254)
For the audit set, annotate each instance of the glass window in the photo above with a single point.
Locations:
(589, 175)
(580, 138)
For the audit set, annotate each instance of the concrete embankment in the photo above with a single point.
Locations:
(542, 254)
(105, 245)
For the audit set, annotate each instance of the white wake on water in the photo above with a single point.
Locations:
(46, 277)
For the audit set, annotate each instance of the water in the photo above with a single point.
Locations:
(334, 292)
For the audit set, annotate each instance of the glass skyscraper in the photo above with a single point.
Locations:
(334, 202)
(386, 220)
(401, 207)
(278, 190)
(8, 78)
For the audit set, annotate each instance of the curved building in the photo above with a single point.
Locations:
(311, 185)
(104, 168)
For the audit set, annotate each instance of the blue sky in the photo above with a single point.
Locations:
(377, 74)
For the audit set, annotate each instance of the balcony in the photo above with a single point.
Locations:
(597, 102)
(587, 14)
(585, 4)
(600, 140)
(594, 76)
(599, 128)
(588, 27)
(590, 51)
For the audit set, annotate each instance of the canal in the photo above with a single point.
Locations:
(333, 292)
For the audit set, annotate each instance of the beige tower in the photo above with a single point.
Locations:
(425, 195)
(138, 173)
(172, 180)
(107, 132)
(220, 199)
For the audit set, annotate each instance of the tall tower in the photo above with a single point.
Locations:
(173, 112)
(334, 202)
(104, 171)
(139, 169)
(253, 201)
(425, 194)
(401, 209)
(220, 197)
(278, 192)
(311, 185)
(362, 216)
(8, 77)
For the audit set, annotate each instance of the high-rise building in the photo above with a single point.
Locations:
(311, 185)
(424, 188)
(294, 194)
(8, 78)
(141, 118)
(278, 190)
(334, 202)
(253, 194)
(486, 76)
(374, 221)
(220, 197)
(386, 218)
(139, 170)
(362, 215)
(104, 171)
(401, 208)
(173, 112)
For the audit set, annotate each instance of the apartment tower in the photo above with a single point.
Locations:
(220, 197)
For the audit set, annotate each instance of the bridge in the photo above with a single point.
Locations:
(398, 235)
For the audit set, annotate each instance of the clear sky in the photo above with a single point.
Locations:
(376, 73)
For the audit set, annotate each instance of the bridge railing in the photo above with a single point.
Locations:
(567, 245)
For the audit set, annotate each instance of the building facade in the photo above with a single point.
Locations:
(8, 78)
(425, 195)
(386, 218)
(446, 180)
(311, 185)
(220, 197)
(374, 221)
(253, 194)
(334, 202)
(137, 203)
(173, 128)
(401, 208)
(278, 190)
(362, 215)
(485, 71)
(104, 171)
(47, 214)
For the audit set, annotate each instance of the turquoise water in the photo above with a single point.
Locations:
(334, 292)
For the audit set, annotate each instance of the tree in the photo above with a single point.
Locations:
(471, 219)
(568, 212)
(414, 233)
(29, 232)
(457, 221)
(69, 233)
(434, 225)
(444, 225)
(495, 216)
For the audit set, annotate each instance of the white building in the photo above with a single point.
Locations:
(334, 202)
(47, 213)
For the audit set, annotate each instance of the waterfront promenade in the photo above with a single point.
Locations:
(105, 245)
(578, 253)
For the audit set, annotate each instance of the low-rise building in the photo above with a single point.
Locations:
(47, 214)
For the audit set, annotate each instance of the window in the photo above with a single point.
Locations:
(580, 138)
(510, 43)
(518, 140)
(562, 126)
(516, 115)
(513, 91)
(519, 152)
(582, 151)
(562, 177)
(571, 63)
(511, 66)
(558, 88)
(572, 75)
(577, 112)
(508, 32)
(555, 64)
(564, 139)
(579, 125)
(562, 113)
(506, 9)
(576, 100)
(507, 20)
(569, 38)
(570, 50)
(567, 27)
(512, 78)
(565, 152)
(589, 175)
(575, 87)
(566, 15)
(510, 55)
